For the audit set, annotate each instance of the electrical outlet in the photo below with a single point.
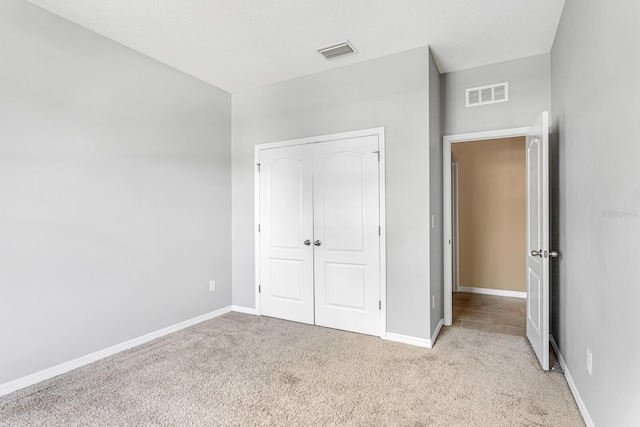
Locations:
(212, 286)
(589, 361)
(433, 301)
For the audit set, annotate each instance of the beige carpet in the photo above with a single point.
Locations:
(246, 370)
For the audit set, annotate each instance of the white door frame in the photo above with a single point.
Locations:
(446, 193)
(455, 224)
(379, 132)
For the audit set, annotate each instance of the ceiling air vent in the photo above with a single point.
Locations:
(337, 50)
(484, 95)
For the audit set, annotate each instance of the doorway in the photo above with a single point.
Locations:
(489, 234)
(448, 217)
(320, 240)
(538, 253)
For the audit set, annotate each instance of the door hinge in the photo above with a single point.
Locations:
(379, 231)
(258, 228)
(379, 304)
(258, 164)
(378, 153)
(259, 289)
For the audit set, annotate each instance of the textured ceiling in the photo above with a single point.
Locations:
(240, 44)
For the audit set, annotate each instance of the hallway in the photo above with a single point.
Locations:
(489, 313)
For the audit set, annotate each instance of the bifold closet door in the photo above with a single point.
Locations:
(286, 233)
(346, 235)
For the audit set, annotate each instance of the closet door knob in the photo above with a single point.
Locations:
(317, 243)
(307, 242)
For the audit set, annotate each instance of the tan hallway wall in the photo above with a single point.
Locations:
(492, 213)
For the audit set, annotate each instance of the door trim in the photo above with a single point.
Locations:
(379, 132)
(455, 225)
(447, 194)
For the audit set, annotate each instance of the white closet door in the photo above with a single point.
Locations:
(286, 223)
(346, 239)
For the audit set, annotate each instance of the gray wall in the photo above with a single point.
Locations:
(114, 193)
(596, 105)
(529, 95)
(392, 92)
(435, 191)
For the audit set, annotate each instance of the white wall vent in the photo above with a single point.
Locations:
(491, 94)
(337, 50)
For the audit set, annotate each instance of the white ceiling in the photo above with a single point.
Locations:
(240, 44)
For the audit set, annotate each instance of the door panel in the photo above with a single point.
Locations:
(287, 279)
(345, 285)
(286, 221)
(346, 220)
(343, 203)
(538, 238)
(285, 196)
(535, 306)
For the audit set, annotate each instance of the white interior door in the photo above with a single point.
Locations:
(346, 235)
(286, 233)
(538, 238)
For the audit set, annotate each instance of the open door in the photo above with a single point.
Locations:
(538, 238)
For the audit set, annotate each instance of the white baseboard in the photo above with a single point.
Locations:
(420, 342)
(62, 368)
(487, 291)
(246, 310)
(405, 339)
(572, 385)
(436, 332)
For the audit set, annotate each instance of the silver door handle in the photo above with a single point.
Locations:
(537, 253)
(317, 243)
(554, 254)
(307, 242)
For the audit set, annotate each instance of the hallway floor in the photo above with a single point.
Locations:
(490, 313)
